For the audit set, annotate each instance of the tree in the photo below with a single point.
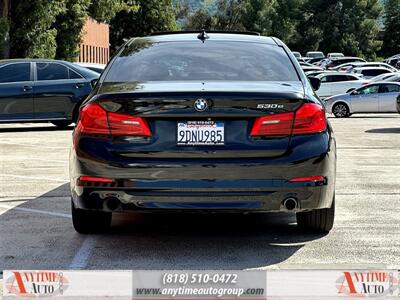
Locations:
(151, 16)
(391, 37)
(229, 14)
(349, 26)
(31, 32)
(4, 28)
(257, 15)
(69, 26)
(200, 19)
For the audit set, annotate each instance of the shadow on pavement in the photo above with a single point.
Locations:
(31, 240)
(383, 130)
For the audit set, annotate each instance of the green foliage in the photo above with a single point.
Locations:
(69, 29)
(31, 32)
(105, 10)
(152, 16)
(391, 38)
(4, 27)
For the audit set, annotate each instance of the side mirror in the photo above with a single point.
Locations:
(315, 83)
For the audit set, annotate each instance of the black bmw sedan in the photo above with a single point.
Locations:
(41, 90)
(199, 122)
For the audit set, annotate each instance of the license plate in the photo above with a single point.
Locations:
(194, 133)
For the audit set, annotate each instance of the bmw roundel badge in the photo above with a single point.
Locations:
(200, 104)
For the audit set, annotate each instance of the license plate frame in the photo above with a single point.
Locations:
(195, 133)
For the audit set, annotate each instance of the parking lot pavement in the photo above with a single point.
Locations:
(36, 230)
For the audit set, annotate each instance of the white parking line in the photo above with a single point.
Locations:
(34, 177)
(84, 253)
(41, 146)
(9, 207)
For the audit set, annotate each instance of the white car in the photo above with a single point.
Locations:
(369, 72)
(333, 83)
(370, 64)
(315, 54)
(377, 97)
(335, 54)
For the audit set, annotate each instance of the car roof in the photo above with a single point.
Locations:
(385, 82)
(345, 57)
(212, 36)
(5, 61)
(336, 73)
(371, 68)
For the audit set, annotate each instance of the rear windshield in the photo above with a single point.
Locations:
(144, 60)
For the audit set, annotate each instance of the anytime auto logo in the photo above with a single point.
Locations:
(35, 283)
(367, 284)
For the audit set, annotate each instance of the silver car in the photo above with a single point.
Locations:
(377, 97)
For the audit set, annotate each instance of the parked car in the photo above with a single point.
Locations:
(315, 73)
(333, 83)
(315, 54)
(174, 125)
(39, 90)
(335, 54)
(315, 60)
(386, 77)
(336, 61)
(309, 69)
(393, 60)
(92, 66)
(369, 72)
(377, 97)
(370, 64)
(296, 54)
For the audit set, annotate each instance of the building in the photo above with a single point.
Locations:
(95, 45)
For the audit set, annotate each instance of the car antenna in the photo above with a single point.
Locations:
(203, 35)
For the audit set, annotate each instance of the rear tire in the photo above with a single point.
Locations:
(61, 124)
(319, 220)
(90, 221)
(341, 110)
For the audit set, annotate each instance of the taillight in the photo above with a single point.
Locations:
(278, 124)
(127, 125)
(309, 118)
(95, 120)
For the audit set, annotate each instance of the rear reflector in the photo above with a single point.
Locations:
(95, 179)
(310, 118)
(95, 120)
(310, 178)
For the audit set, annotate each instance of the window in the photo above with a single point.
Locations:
(374, 73)
(337, 78)
(327, 78)
(15, 72)
(51, 71)
(144, 60)
(372, 89)
(74, 75)
(389, 88)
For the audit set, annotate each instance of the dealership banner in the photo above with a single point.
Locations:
(201, 284)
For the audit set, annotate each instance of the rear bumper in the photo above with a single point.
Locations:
(223, 185)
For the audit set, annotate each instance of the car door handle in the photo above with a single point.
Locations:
(27, 88)
(79, 85)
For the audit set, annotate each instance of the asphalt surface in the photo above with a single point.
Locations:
(36, 230)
